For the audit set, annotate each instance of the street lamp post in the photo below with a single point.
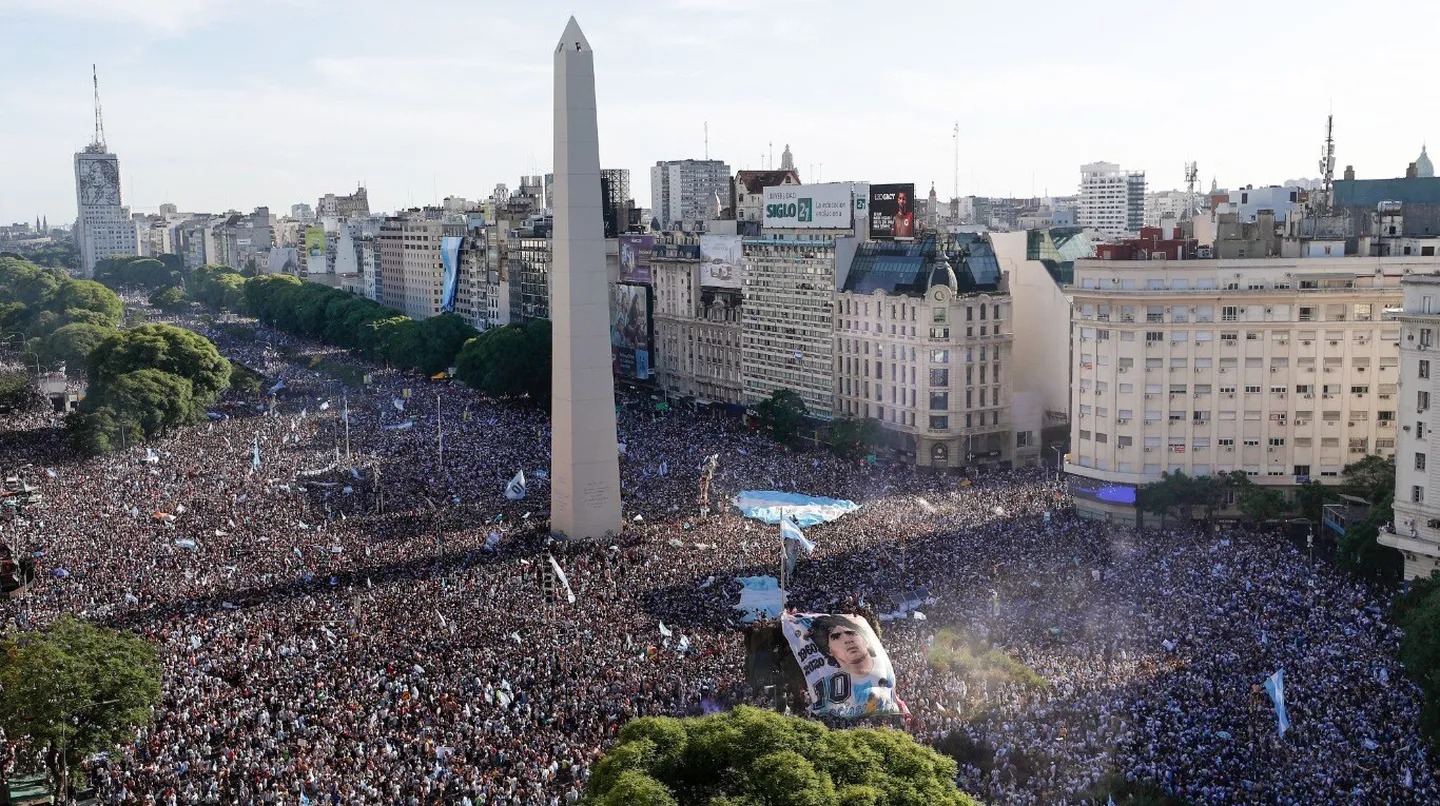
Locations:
(1058, 465)
(1310, 544)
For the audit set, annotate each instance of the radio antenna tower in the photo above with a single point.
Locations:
(99, 142)
(956, 136)
(1327, 158)
(1192, 173)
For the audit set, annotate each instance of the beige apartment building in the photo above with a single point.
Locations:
(1416, 531)
(697, 319)
(1285, 369)
(923, 344)
(410, 266)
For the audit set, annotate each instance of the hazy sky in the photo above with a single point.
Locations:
(216, 105)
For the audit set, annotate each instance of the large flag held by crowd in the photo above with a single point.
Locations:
(563, 580)
(515, 490)
(847, 672)
(1275, 687)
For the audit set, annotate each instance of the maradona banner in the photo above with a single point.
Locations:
(847, 673)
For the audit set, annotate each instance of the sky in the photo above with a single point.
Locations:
(216, 105)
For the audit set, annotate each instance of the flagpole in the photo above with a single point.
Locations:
(439, 435)
(348, 458)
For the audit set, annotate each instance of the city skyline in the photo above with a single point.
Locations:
(215, 107)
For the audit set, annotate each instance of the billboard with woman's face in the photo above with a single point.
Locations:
(847, 672)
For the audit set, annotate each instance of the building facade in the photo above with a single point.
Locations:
(1112, 201)
(104, 228)
(1416, 531)
(683, 192)
(788, 335)
(925, 350)
(697, 324)
(1285, 369)
(411, 270)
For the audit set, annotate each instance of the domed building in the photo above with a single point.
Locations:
(1423, 168)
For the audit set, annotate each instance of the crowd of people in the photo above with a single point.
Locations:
(365, 617)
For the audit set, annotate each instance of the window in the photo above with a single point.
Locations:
(1277, 442)
(939, 422)
(1302, 470)
(1154, 336)
(940, 378)
(939, 401)
(1229, 313)
(1360, 390)
(1419, 461)
(1417, 494)
(1424, 368)
(1422, 401)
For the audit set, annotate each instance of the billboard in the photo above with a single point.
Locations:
(892, 211)
(314, 241)
(450, 280)
(847, 672)
(630, 330)
(825, 206)
(720, 261)
(635, 258)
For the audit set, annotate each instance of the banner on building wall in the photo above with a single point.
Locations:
(824, 206)
(847, 672)
(892, 211)
(630, 330)
(314, 241)
(450, 280)
(720, 261)
(635, 258)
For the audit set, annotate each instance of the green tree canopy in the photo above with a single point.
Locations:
(135, 272)
(17, 390)
(782, 414)
(75, 299)
(77, 687)
(158, 401)
(749, 756)
(169, 299)
(853, 437)
(509, 361)
(441, 338)
(1177, 495)
(1418, 615)
(162, 347)
(1373, 479)
(72, 344)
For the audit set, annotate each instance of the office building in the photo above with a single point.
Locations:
(697, 315)
(411, 268)
(1112, 201)
(749, 201)
(355, 205)
(104, 228)
(925, 349)
(1416, 530)
(683, 192)
(1284, 369)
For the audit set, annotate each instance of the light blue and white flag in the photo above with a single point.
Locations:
(345, 410)
(515, 490)
(398, 403)
(277, 387)
(1275, 686)
(564, 580)
(789, 530)
(325, 406)
(255, 454)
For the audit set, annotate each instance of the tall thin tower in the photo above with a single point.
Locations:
(98, 144)
(584, 448)
(1327, 159)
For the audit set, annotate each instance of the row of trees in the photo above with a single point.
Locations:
(1417, 613)
(140, 273)
(57, 318)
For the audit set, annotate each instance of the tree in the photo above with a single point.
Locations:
(1417, 613)
(72, 344)
(169, 299)
(1177, 495)
(75, 689)
(87, 300)
(1258, 504)
(158, 401)
(17, 391)
(782, 414)
(441, 338)
(1373, 479)
(749, 756)
(135, 272)
(510, 361)
(163, 347)
(853, 437)
(1310, 500)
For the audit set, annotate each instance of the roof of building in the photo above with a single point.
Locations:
(1370, 192)
(966, 264)
(757, 181)
(1424, 169)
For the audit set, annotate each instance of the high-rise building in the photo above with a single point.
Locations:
(682, 192)
(1416, 531)
(925, 349)
(1284, 369)
(1112, 201)
(411, 267)
(355, 205)
(104, 228)
(615, 190)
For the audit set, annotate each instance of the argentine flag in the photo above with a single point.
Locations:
(515, 490)
(1275, 686)
(789, 530)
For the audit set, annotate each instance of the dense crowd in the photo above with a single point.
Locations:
(360, 620)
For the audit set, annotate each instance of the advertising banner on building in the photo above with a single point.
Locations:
(720, 261)
(847, 672)
(824, 206)
(635, 258)
(630, 330)
(450, 280)
(892, 211)
(314, 241)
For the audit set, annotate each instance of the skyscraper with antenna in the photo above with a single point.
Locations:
(103, 226)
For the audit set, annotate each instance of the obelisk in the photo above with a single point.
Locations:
(584, 452)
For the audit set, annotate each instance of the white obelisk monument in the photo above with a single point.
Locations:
(584, 453)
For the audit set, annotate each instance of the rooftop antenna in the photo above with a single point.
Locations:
(707, 139)
(956, 136)
(1192, 173)
(1327, 158)
(770, 162)
(99, 141)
